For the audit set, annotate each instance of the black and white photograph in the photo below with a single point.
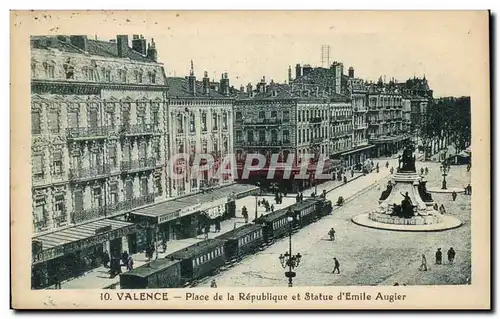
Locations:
(197, 152)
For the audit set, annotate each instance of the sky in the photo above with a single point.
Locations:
(442, 45)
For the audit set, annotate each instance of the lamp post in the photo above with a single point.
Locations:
(444, 168)
(256, 200)
(287, 259)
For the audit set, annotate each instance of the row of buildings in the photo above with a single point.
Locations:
(106, 120)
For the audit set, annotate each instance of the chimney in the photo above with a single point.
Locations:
(262, 86)
(80, 41)
(351, 72)
(206, 83)
(224, 83)
(139, 44)
(122, 45)
(192, 80)
(298, 71)
(151, 54)
(250, 90)
(289, 74)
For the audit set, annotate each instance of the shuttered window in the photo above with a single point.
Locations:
(57, 163)
(54, 121)
(36, 123)
(78, 200)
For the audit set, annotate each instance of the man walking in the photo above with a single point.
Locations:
(423, 265)
(337, 266)
(454, 195)
(451, 255)
(439, 257)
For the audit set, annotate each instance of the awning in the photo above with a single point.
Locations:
(358, 149)
(76, 238)
(173, 209)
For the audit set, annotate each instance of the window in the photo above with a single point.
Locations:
(33, 69)
(96, 197)
(286, 116)
(59, 210)
(110, 119)
(113, 190)
(126, 115)
(250, 136)
(274, 114)
(57, 163)
(36, 123)
(274, 136)
(54, 121)
(93, 117)
(152, 77)
(78, 196)
(224, 118)
(138, 76)
(180, 128)
(262, 114)
(112, 155)
(49, 70)
(129, 190)
(122, 76)
(142, 152)
(69, 70)
(73, 119)
(144, 187)
(239, 116)
(126, 152)
(157, 149)
(239, 136)
(156, 119)
(37, 166)
(40, 215)
(214, 121)
(262, 136)
(286, 136)
(141, 118)
(204, 121)
(192, 127)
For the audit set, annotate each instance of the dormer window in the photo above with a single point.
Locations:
(69, 70)
(122, 75)
(152, 77)
(49, 68)
(138, 76)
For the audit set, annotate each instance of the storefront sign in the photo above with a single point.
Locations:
(82, 244)
(165, 218)
(215, 212)
(214, 203)
(190, 210)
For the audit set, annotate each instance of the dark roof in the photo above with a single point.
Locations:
(151, 267)
(306, 203)
(196, 249)
(95, 47)
(178, 88)
(239, 232)
(274, 215)
(279, 91)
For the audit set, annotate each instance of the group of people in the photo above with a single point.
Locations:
(299, 197)
(441, 208)
(468, 190)
(424, 171)
(116, 263)
(439, 258)
(268, 206)
(278, 198)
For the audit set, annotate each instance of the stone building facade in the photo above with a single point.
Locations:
(99, 141)
(201, 122)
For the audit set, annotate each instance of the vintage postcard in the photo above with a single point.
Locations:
(250, 160)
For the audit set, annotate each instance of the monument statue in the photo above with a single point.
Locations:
(406, 209)
(407, 161)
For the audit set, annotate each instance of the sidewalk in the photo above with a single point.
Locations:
(99, 278)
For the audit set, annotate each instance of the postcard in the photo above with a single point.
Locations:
(250, 160)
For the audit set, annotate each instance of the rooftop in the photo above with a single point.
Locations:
(196, 249)
(239, 232)
(151, 267)
(179, 88)
(101, 48)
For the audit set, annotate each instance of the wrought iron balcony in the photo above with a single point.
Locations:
(264, 143)
(360, 126)
(61, 220)
(40, 225)
(315, 120)
(138, 165)
(87, 133)
(88, 214)
(138, 129)
(130, 204)
(261, 121)
(88, 173)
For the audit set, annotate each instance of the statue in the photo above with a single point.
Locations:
(406, 206)
(407, 161)
(387, 192)
(422, 190)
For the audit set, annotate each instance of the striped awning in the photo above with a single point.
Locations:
(76, 238)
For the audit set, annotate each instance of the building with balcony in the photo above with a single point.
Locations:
(289, 119)
(99, 136)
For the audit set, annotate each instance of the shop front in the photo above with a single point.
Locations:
(73, 251)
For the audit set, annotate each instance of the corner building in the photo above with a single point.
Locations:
(99, 149)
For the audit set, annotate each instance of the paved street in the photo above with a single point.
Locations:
(367, 256)
(99, 277)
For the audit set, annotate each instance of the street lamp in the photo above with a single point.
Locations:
(444, 168)
(256, 200)
(287, 259)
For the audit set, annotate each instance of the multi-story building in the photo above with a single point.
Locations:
(98, 117)
(385, 118)
(290, 119)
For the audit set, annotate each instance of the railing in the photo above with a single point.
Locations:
(138, 129)
(315, 120)
(264, 143)
(89, 172)
(61, 220)
(40, 225)
(261, 121)
(38, 179)
(360, 126)
(130, 204)
(142, 164)
(102, 211)
(98, 132)
(87, 214)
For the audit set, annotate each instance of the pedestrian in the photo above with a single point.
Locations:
(217, 225)
(284, 193)
(301, 197)
(454, 195)
(331, 233)
(470, 190)
(387, 164)
(124, 258)
(436, 207)
(442, 210)
(213, 284)
(345, 179)
(130, 263)
(207, 230)
(105, 258)
(272, 208)
(164, 244)
(324, 193)
(426, 171)
(423, 265)
(337, 266)
(422, 171)
(297, 198)
(352, 173)
(392, 170)
(451, 255)
(439, 257)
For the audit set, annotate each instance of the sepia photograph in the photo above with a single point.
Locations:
(172, 154)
